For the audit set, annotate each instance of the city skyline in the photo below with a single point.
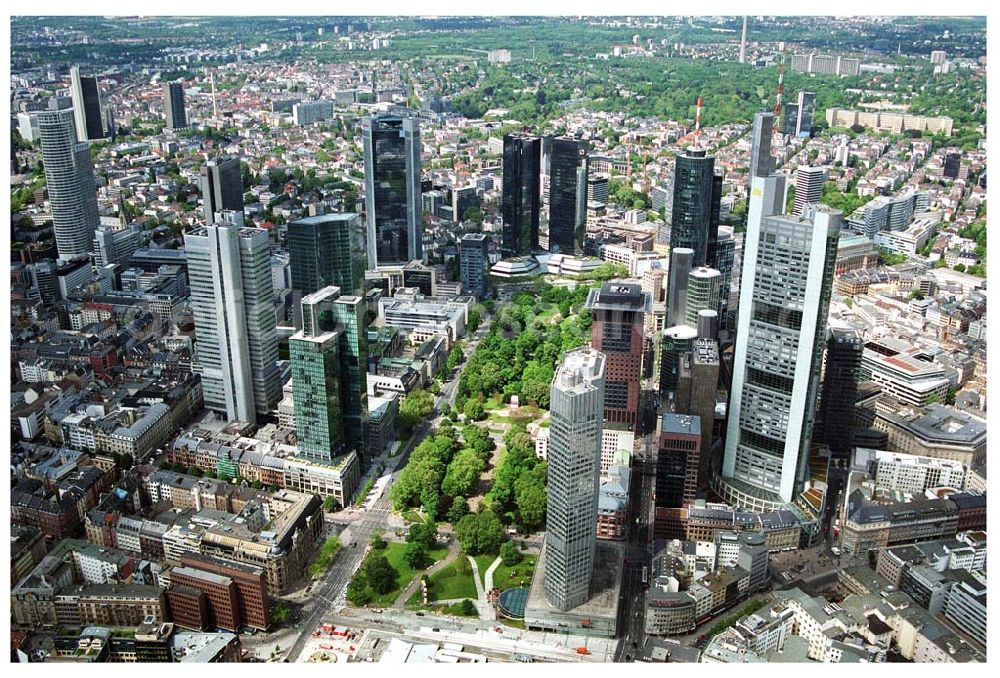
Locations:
(464, 339)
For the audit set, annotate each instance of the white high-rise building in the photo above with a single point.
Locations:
(808, 187)
(232, 295)
(788, 267)
(702, 293)
(69, 179)
(574, 457)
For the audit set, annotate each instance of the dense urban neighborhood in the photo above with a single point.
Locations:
(486, 339)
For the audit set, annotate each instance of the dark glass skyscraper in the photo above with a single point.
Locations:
(392, 189)
(840, 389)
(221, 187)
(173, 105)
(567, 195)
(86, 106)
(696, 205)
(522, 161)
(474, 264)
(791, 118)
(321, 253)
(804, 115)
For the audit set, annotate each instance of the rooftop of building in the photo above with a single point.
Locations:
(324, 218)
(620, 296)
(579, 368)
(688, 424)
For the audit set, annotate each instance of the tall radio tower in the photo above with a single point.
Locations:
(743, 43)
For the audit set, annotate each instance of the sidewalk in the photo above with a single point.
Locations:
(491, 613)
(486, 611)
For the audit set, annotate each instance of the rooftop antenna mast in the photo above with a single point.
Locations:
(781, 81)
(697, 123)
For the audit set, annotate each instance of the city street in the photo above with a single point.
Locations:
(632, 607)
(329, 595)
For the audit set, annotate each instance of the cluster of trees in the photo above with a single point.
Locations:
(420, 540)
(847, 202)
(375, 577)
(476, 314)
(480, 533)
(441, 471)
(415, 408)
(455, 358)
(976, 231)
(622, 194)
(891, 258)
(519, 354)
(510, 555)
(518, 493)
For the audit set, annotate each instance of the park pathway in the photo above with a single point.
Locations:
(490, 611)
(415, 584)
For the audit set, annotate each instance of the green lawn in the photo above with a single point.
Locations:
(451, 583)
(493, 403)
(412, 516)
(394, 554)
(504, 577)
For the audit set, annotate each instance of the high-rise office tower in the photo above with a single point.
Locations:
(315, 356)
(232, 296)
(392, 189)
(321, 252)
(86, 106)
(173, 105)
(474, 264)
(694, 197)
(674, 343)
(678, 458)
(697, 386)
(725, 260)
(619, 311)
(567, 195)
(349, 313)
(420, 276)
(708, 324)
(521, 203)
(221, 187)
(952, 165)
(804, 115)
(840, 389)
(785, 294)
(574, 458)
(808, 187)
(69, 179)
(110, 125)
(761, 160)
(702, 293)
(681, 260)
(790, 118)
